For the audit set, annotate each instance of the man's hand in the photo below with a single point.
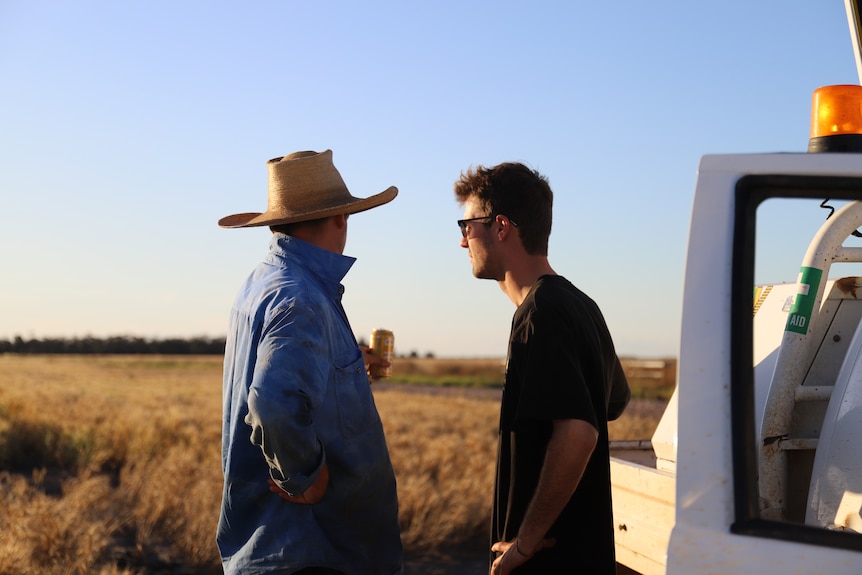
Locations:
(311, 495)
(371, 359)
(514, 555)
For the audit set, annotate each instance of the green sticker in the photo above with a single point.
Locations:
(800, 312)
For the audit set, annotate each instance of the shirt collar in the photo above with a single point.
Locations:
(330, 266)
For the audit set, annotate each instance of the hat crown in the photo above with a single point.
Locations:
(303, 182)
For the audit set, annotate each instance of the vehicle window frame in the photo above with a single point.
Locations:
(751, 191)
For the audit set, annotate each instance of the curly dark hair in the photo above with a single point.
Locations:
(514, 190)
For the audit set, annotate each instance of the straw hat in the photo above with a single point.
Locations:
(305, 186)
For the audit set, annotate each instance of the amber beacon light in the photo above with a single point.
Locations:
(836, 119)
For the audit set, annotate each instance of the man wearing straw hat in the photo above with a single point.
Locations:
(308, 484)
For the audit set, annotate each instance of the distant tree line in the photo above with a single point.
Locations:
(412, 355)
(131, 345)
(115, 345)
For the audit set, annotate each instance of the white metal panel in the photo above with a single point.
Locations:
(836, 477)
(664, 439)
(643, 515)
(704, 469)
(699, 551)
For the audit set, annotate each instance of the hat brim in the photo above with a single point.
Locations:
(356, 205)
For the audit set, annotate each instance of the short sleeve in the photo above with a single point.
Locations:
(551, 370)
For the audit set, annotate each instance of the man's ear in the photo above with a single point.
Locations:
(506, 227)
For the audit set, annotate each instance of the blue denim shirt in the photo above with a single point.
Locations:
(296, 395)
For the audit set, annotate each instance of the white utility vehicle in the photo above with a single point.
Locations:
(756, 465)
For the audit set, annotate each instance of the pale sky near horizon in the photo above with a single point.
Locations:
(129, 128)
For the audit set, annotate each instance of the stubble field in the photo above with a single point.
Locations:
(111, 464)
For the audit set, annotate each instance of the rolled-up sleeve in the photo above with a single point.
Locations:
(288, 388)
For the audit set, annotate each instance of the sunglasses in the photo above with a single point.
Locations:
(463, 223)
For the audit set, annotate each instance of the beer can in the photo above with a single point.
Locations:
(383, 345)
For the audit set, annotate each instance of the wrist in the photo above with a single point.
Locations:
(520, 550)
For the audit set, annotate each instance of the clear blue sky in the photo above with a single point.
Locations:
(127, 129)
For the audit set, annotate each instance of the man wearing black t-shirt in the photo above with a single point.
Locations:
(564, 382)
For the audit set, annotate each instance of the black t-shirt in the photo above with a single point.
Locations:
(561, 365)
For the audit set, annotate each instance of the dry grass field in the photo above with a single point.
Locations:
(111, 464)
